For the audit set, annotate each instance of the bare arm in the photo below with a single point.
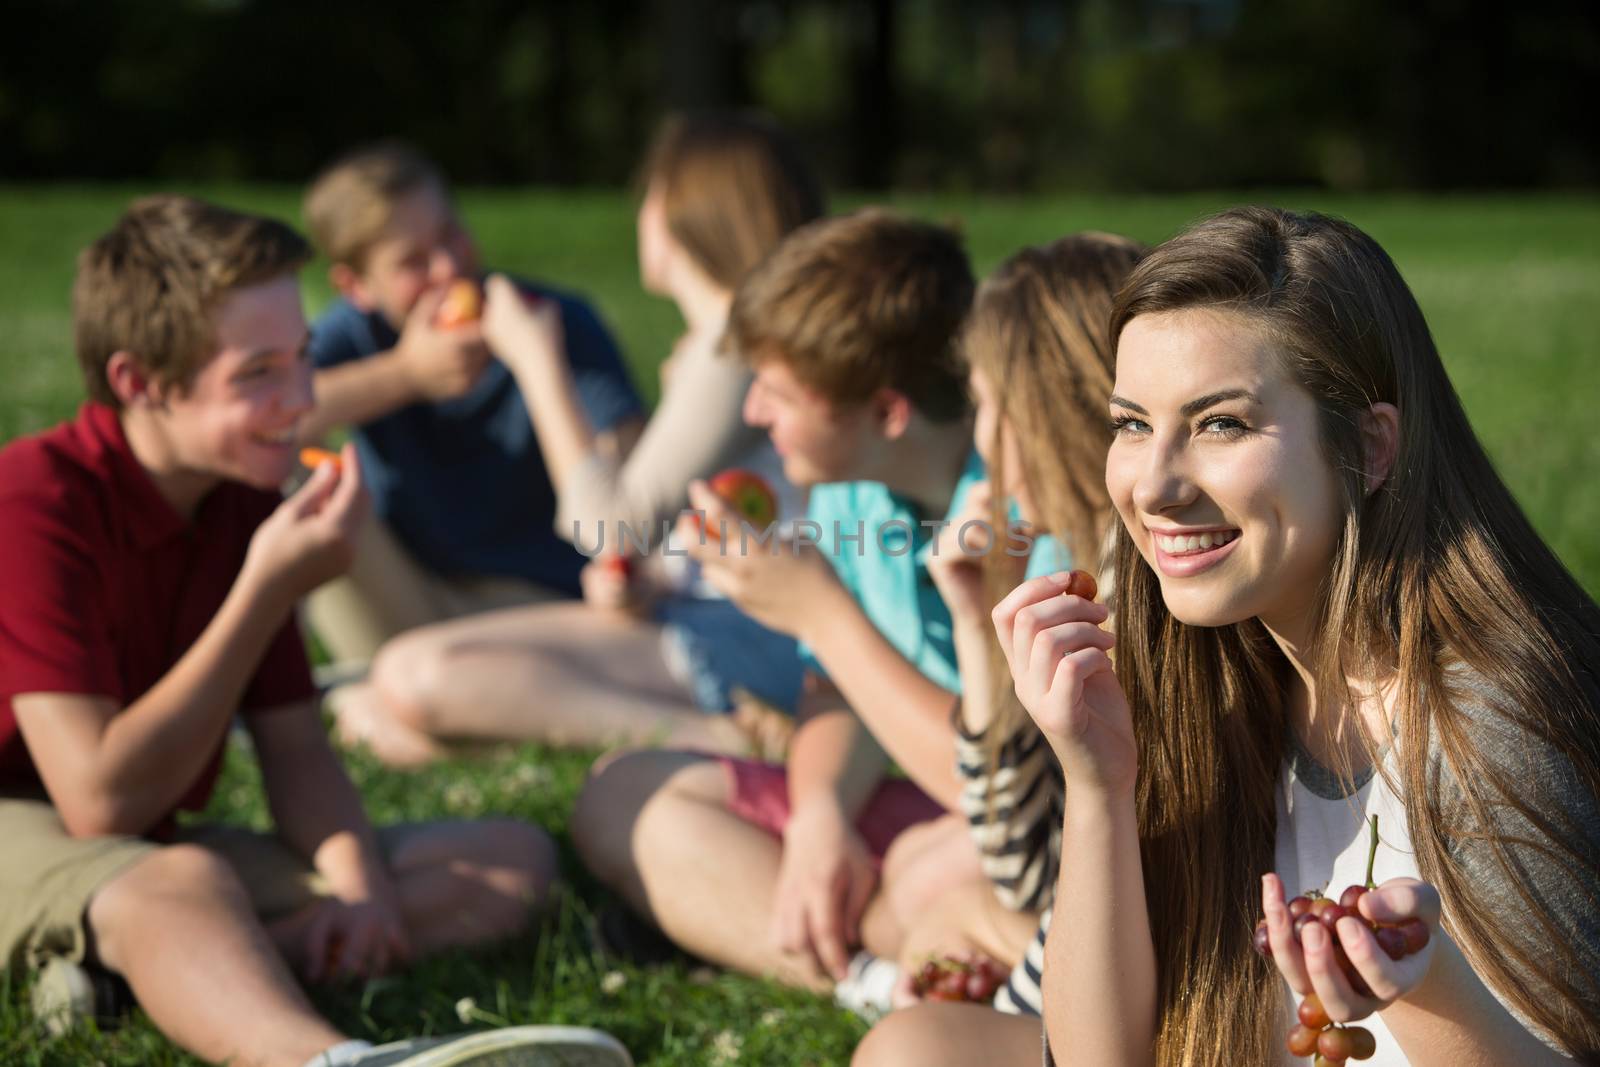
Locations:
(566, 438)
(314, 804)
(428, 363)
(907, 713)
(356, 393)
(826, 876)
(1100, 964)
(694, 432)
(978, 683)
(111, 773)
(113, 770)
(794, 590)
(529, 340)
(1453, 1019)
(833, 760)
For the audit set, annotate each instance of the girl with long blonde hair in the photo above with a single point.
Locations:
(1039, 371)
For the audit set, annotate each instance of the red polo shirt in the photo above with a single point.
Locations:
(103, 586)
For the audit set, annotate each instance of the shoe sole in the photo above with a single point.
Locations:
(528, 1046)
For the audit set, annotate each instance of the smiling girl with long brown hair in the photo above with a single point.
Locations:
(1329, 606)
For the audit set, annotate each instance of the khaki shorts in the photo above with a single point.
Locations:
(387, 592)
(48, 877)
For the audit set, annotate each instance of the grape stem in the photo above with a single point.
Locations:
(1372, 852)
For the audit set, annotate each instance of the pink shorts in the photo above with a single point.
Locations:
(761, 796)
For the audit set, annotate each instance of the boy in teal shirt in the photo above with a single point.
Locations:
(851, 328)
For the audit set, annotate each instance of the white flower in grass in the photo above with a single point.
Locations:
(613, 982)
(726, 1046)
(772, 1017)
(462, 796)
(468, 1012)
(530, 775)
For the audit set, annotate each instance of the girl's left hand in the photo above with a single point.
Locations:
(1312, 965)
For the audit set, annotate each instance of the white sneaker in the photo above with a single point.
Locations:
(67, 994)
(510, 1046)
(868, 986)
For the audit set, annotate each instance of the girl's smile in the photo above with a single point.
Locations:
(1218, 471)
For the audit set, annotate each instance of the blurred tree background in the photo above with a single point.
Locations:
(1006, 95)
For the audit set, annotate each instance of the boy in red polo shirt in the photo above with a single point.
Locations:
(150, 572)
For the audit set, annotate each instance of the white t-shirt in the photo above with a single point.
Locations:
(1322, 844)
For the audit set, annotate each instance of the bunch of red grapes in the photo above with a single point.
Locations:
(952, 979)
(1316, 1034)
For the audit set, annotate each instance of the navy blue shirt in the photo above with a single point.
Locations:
(462, 482)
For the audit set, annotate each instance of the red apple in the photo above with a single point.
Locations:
(463, 303)
(748, 494)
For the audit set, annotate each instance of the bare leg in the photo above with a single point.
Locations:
(387, 592)
(460, 884)
(931, 1035)
(926, 863)
(563, 674)
(968, 917)
(467, 883)
(236, 1000)
(656, 828)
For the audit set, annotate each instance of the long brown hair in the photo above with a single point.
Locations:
(1438, 570)
(732, 185)
(1038, 333)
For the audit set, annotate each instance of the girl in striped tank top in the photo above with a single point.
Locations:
(1040, 370)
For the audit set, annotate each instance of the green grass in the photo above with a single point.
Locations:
(1509, 286)
(667, 1016)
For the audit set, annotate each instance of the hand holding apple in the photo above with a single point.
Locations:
(437, 360)
(785, 585)
(749, 496)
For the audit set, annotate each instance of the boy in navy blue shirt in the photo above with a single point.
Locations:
(466, 507)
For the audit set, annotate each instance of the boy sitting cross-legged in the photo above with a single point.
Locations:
(150, 574)
(465, 505)
(850, 326)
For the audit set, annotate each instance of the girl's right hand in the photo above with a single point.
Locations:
(1062, 672)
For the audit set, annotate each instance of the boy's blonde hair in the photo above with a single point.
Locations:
(151, 284)
(349, 205)
(858, 303)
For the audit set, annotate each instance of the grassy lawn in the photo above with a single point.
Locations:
(1510, 289)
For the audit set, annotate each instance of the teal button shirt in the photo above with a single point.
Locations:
(879, 548)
